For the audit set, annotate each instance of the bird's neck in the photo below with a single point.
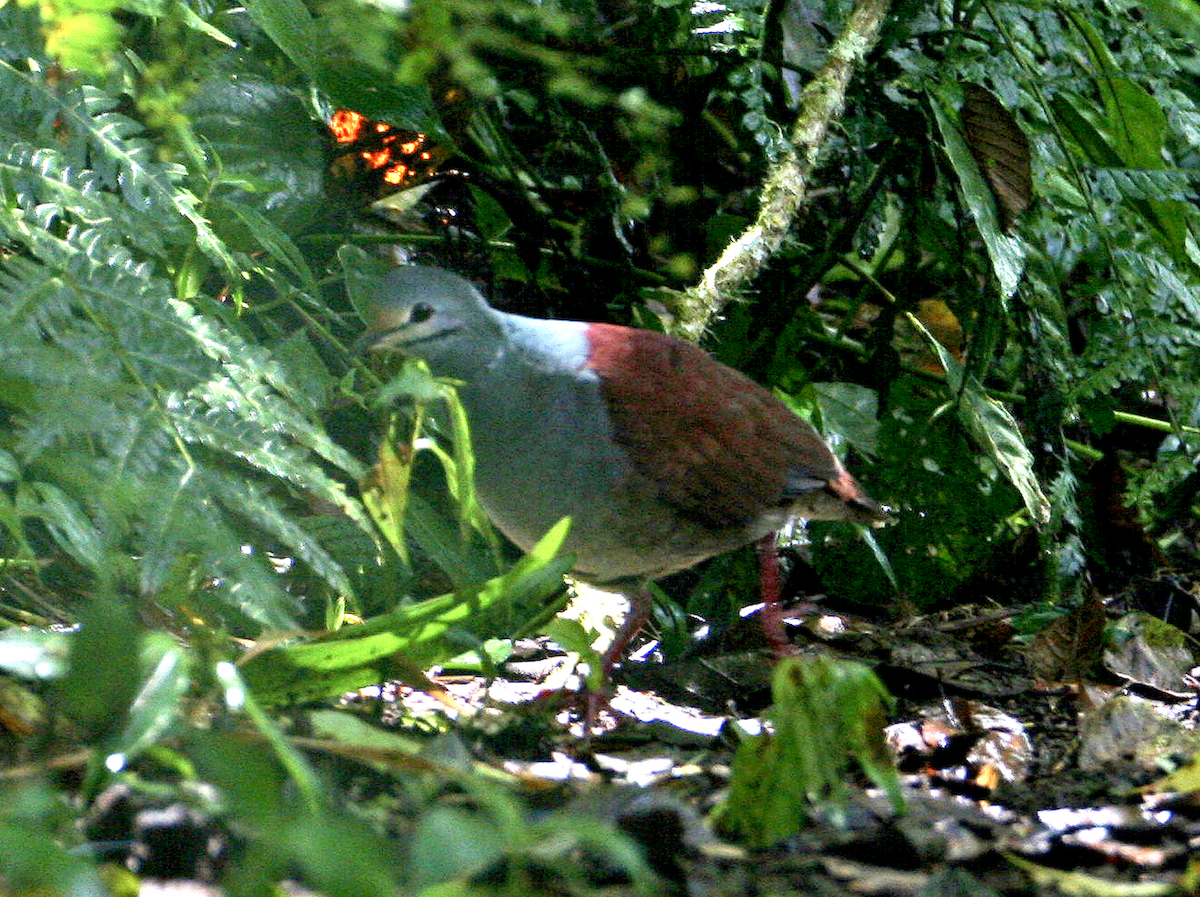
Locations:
(553, 347)
(537, 365)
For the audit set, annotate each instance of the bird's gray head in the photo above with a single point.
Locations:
(433, 314)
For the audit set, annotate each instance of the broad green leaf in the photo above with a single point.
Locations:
(352, 85)
(412, 383)
(10, 470)
(1137, 128)
(1069, 110)
(266, 152)
(454, 843)
(291, 26)
(103, 669)
(83, 41)
(357, 655)
(1181, 16)
(1134, 118)
(434, 530)
(992, 428)
(362, 272)
(369, 742)
(849, 410)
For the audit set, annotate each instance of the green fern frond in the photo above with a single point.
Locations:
(116, 383)
(112, 145)
(256, 504)
(41, 181)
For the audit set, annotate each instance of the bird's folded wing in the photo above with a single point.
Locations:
(720, 448)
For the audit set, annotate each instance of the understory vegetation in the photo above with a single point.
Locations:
(214, 512)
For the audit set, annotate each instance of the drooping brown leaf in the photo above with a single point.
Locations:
(1001, 149)
(1071, 646)
(913, 347)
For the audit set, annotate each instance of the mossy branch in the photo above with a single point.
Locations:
(785, 188)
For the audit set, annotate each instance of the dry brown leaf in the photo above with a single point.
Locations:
(1001, 149)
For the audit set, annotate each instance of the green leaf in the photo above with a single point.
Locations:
(166, 678)
(359, 735)
(32, 860)
(274, 240)
(825, 714)
(386, 494)
(192, 20)
(352, 85)
(363, 272)
(1069, 110)
(116, 141)
(83, 41)
(400, 512)
(1180, 16)
(412, 383)
(103, 668)
(66, 520)
(1136, 129)
(291, 26)
(850, 411)
(454, 843)
(267, 152)
(571, 636)
(435, 531)
(10, 470)
(992, 427)
(239, 698)
(356, 655)
(460, 473)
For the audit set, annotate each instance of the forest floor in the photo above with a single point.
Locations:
(1066, 762)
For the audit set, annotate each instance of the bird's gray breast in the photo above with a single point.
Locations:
(543, 443)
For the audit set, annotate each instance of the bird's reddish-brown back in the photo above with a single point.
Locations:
(721, 447)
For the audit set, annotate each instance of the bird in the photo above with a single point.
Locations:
(660, 455)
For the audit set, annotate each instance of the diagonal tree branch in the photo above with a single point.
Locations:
(785, 188)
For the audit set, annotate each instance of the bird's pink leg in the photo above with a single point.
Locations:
(772, 609)
(640, 606)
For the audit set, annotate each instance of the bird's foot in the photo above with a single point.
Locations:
(589, 702)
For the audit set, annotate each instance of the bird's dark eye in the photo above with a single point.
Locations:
(421, 312)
